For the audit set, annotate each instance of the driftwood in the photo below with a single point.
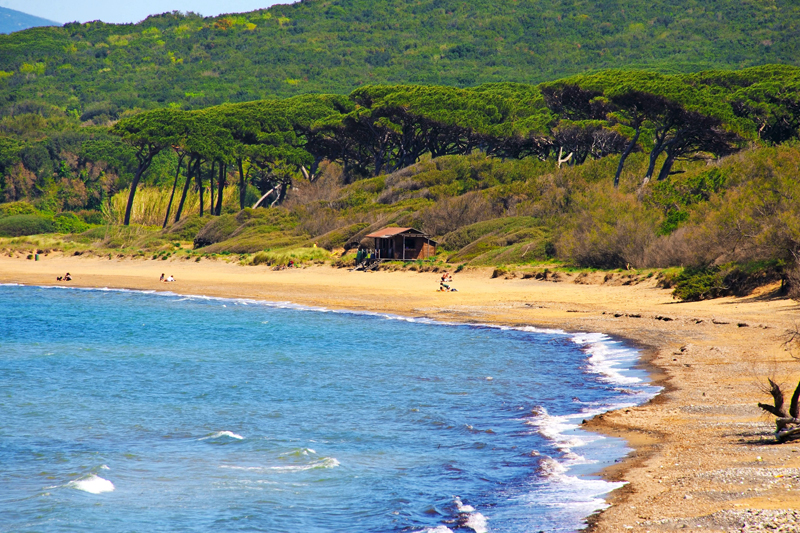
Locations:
(787, 424)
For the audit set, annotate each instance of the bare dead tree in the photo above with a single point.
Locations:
(787, 425)
(791, 339)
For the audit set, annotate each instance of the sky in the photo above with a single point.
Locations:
(119, 11)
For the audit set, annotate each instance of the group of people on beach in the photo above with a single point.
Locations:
(167, 279)
(444, 284)
(65, 277)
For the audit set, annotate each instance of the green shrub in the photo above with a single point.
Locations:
(695, 284)
(675, 194)
(17, 208)
(732, 279)
(69, 223)
(19, 225)
(91, 217)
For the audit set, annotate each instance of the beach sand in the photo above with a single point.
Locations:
(703, 454)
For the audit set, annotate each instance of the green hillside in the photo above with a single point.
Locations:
(335, 46)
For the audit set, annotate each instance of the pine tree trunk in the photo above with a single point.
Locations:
(172, 195)
(199, 179)
(211, 188)
(223, 168)
(666, 168)
(135, 183)
(242, 184)
(624, 156)
(189, 176)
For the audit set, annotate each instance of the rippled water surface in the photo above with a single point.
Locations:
(128, 411)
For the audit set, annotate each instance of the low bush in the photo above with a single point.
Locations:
(19, 225)
(611, 231)
(69, 223)
(17, 208)
(704, 283)
(695, 284)
(91, 217)
(451, 214)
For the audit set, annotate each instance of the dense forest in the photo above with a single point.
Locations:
(100, 70)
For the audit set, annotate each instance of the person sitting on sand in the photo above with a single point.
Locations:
(170, 278)
(161, 279)
(291, 263)
(443, 284)
(67, 277)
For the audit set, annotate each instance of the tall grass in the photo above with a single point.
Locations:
(298, 255)
(150, 205)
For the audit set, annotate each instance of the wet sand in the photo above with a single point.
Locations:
(703, 455)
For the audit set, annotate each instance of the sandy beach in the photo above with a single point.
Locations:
(703, 454)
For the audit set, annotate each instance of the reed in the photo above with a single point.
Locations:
(298, 255)
(150, 205)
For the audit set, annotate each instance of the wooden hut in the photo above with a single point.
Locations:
(403, 244)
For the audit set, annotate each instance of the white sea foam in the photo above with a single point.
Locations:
(93, 484)
(548, 331)
(219, 434)
(606, 356)
(476, 522)
(437, 529)
(469, 517)
(561, 432)
(461, 507)
(325, 462)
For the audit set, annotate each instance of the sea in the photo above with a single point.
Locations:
(138, 411)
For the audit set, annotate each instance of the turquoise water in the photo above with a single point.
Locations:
(133, 411)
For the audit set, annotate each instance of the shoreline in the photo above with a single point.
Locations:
(694, 451)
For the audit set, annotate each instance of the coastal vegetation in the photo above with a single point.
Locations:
(610, 169)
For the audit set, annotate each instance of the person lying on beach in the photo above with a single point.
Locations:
(170, 278)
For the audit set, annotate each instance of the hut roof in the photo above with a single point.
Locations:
(391, 232)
